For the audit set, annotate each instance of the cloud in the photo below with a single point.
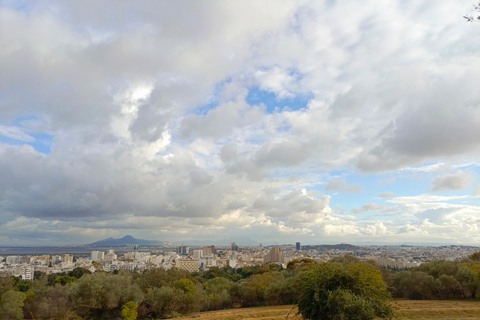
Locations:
(368, 207)
(476, 192)
(342, 186)
(387, 195)
(153, 130)
(425, 198)
(15, 133)
(459, 180)
(283, 153)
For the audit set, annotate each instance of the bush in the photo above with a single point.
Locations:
(335, 291)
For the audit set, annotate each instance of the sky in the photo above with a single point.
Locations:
(276, 121)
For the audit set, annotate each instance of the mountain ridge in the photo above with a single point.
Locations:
(125, 241)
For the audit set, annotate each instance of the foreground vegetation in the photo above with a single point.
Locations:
(340, 288)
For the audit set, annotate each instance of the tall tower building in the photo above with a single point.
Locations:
(275, 255)
(234, 246)
(182, 249)
(97, 255)
(298, 246)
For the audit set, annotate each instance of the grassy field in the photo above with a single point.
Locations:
(418, 310)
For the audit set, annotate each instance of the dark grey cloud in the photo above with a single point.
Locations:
(459, 180)
(284, 153)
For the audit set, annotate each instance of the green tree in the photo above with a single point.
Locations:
(337, 291)
(186, 285)
(284, 291)
(415, 285)
(78, 272)
(468, 279)
(253, 289)
(6, 283)
(65, 279)
(101, 295)
(218, 294)
(129, 311)
(11, 305)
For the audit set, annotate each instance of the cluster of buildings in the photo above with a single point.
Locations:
(194, 259)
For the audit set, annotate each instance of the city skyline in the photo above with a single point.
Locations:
(316, 122)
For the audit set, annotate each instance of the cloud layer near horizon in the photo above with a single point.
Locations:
(177, 120)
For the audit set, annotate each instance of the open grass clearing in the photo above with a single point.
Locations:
(407, 309)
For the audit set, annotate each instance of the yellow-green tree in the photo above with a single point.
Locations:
(337, 291)
(11, 304)
(129, 311)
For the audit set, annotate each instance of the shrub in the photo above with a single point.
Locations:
(335, 291)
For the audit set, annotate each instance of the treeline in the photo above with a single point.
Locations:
(436, 280)
(159, 293)
(155, 294)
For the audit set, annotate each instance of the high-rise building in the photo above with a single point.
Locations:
(298, 247)
(97, 255)
(182, 249)
(209, 250)
(275, 255)
(197, 254)
(234, 246)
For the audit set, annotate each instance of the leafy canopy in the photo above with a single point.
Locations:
(335, 291)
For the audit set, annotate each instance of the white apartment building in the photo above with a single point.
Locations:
(188, 265)
(25, 271)
(97, 256)
(197, 254)
(12, 260)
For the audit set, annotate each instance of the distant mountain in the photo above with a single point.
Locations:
(125, 241)
(221, 242)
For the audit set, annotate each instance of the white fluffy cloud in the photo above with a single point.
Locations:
(154, 130)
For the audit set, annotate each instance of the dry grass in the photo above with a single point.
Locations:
(267, 313)
(406, 309)
(419, 310)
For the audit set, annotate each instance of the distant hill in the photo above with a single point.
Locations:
(221, 242)
(125, 241)
(325, 247)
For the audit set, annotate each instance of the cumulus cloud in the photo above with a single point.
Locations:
(459, 180)
(154, 130)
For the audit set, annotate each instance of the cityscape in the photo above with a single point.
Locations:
(294, 159)
(195, 259)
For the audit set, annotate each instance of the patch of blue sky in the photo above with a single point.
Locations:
(19, 5)
(371, 186)
(19, 120)
(42, 143)
(273, 104)
(212, 100)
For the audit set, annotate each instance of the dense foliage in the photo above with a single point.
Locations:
(343, 288)
(337, 291)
